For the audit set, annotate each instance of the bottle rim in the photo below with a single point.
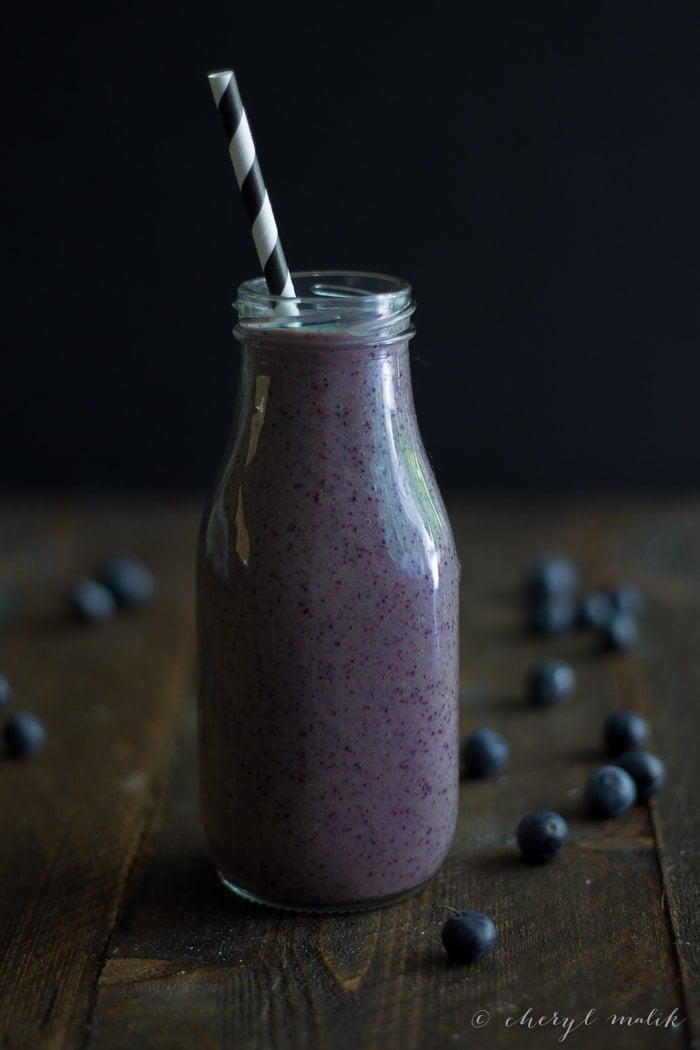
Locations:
(355, 303)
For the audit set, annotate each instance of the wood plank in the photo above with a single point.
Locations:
(593, 931)
(665, 542)
(74, 818)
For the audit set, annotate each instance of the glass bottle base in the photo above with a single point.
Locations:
(364, 905)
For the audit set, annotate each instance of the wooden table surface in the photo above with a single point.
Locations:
(114, 931)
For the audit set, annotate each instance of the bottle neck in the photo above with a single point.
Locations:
(334, 360)
(334, 382)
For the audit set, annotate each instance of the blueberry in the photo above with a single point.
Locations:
(610, 791)
(648, 771)
(624, 731)
(23, 734)
(485, 752)
(128, 579)
(620, 633)
(467, 935)
(5, 691)
(551, 614)
(550, 682)
(595, 609)
(552, 574)
(541, 836)
(90, 601)
(626, 598)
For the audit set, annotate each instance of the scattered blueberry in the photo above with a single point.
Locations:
(467, 935)
(626, 598)
(595, 609)
(551, 681)
(552, 574)
(23, 734)
(648, 771)
(624, 731)
(541, 836)
(128, 579)
(90, 601)
(5, 691)
(551, 614)
(485, 752)
(620, 633)
(598, 609)
(610, 791)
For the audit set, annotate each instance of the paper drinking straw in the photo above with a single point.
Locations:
(247, 169)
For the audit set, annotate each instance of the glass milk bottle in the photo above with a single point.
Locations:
(327, 610)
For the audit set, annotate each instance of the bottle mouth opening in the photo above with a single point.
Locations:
(352, 302)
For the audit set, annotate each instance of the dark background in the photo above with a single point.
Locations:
(532, 169)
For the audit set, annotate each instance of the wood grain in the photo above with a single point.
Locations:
(116, 933)
(74, 819)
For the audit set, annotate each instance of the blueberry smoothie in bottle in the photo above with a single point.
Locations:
(327, 610)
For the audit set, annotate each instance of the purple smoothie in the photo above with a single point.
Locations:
(327, 627)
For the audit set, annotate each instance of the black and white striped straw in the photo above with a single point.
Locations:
(247, 169)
